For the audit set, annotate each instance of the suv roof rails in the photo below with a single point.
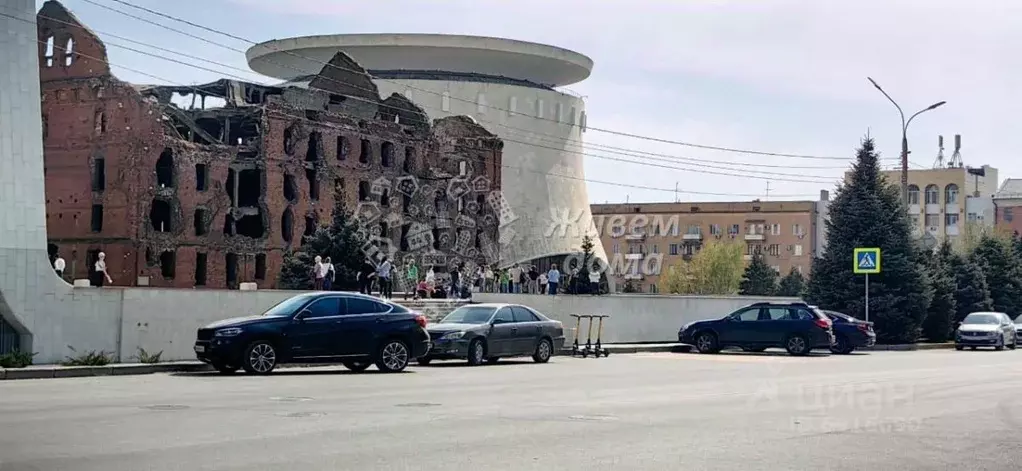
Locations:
(768, 303)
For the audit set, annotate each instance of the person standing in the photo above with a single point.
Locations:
(386, 286)
(553, 278)
(542, 283)
(488, 280)
(503, 280)
(365, 277)
(533, 280)
(594, 282)
(318, 272)
(99, 274)
(58, 266)
(328, 278)
(411, 277)
(515, 279)
(456, 282)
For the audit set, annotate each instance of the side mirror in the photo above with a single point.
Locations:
(302, 315)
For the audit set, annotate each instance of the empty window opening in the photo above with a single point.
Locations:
(343, 147)
(249, 188)
(287, 223)
(212, 126)
(260, 266)
(159, 216)
(387, 154)
(310, 175)
(289, 140)
(232, 269)
(339, 187)
(99, 175)
(312, 115)
(201, 177)
(199, 221)
(404, 247)
(70, 51)
(46, 126)
(242, 131)
(229, 225)
(230, 187)
(165, 169)
(385, 198)
(365, 152)
(49, 51)
(409, 163)
(150, 259)
(250, 226)
(200, 269)
(315, 141)
(337, 99)
(168, 264)
(445, 101)
(100, 122)
(97, 218)
(363, 190)
(310, 225)
(290, 188)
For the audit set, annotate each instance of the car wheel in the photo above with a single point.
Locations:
(260, 358)
(959, 347)
(224, 368)
(543, 352)
(841, 346)
(492, 360)
(797, 345)
(357, 366)
(1000, 344)
(393, 356)
(706, 342)
(476, 352)
(423, 361)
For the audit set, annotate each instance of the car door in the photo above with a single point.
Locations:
(361, 325)
(503, 333)
(777, 323)
(1007, 329)
(312, 333)
(740, 327)
(529, 330)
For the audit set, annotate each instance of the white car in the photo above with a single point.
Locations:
(986, 329)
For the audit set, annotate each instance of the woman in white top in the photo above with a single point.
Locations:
(99, 274)
(319, 270)
(431, 278)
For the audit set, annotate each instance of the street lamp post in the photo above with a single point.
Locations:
(904, 138)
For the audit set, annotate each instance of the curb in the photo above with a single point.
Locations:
(910, 347)
(639, 348)
(41, 372)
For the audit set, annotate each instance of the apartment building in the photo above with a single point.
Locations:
(1008, 205)
(943, 200)
(643, 239)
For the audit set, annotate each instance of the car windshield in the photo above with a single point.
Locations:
(287, 307)
(469, 315)
(982, 319)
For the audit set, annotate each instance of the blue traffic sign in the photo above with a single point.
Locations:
(866, 261)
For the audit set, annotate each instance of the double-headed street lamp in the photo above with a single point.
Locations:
(904, 138)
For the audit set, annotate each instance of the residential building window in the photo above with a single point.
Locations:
(951, 194)
(617, 248)
(774, 250)
(715, 229)
(673, 248)
(693, 229)
(932, 221)
(675, 229)
(755, 229)
(201, 177)
(913, 220)
(798, 250)
(932, 195)
(653, 288)
(617, 231)
(796, 229)
(638, 230)
(734, 229)
(951, 219)
(775, 229)
(445, 101)
(971, 217)
(1009, 214)
(656, 248)
(913, 194)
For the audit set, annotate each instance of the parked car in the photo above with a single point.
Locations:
(1018, 327)
(850, 333)
(986, 329)
(489, 332)
(796, 327)
(323, 327)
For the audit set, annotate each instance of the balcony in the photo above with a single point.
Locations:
(635, 256)
(634, 276)
(952, 208)
(951, 230)
(914, 208)
(692, 236)
(635, 237)
(932, 209)
(755, 236)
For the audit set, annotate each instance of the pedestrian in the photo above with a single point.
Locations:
(365, 277)
(328, 279)
(514, 279)
(553, 278)
(533, 280)
(383, 271)
(503, 280)
(488, 280)
(411, 277)
(456, 282)
(318, 272)
(542, 283)
(58, 266)
(99, 274)
(594, 282)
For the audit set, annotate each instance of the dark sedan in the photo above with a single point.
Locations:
(352, 329)
(850, 333)
(488, 332)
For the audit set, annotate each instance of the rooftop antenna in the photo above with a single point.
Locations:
(956, 158)
(939, 163)
(676, 199)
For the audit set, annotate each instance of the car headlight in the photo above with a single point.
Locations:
(228, 332)
(453, 336)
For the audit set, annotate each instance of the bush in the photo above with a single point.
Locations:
(90, 358)
(16, 359)
(148, 358)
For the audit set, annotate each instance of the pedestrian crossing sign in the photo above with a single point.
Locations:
(866, 261)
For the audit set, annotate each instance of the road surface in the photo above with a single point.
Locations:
(884, 410)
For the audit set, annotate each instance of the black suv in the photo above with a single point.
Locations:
(352, 329)
(796, 327)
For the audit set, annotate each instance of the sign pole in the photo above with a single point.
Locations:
(867, 297)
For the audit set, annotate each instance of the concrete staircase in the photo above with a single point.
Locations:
(434, 309)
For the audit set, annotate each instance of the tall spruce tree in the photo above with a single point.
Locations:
(971, 292)
(341, 240)
(759, 279)
(792, 284)
(942, 310)
(1002, 268)
(867, 212)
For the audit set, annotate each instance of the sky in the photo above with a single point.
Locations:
(781, 76)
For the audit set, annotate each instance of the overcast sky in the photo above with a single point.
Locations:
(780, 76)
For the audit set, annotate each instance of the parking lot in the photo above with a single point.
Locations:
(892, 410)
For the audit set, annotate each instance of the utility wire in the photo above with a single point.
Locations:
(497, 108)
(570, 177)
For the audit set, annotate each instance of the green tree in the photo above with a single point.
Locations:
(942, 310)
(581, 282)
(971, 291)
(793, 284)
(759, 279)
(341, 240)
(1002, 268)
(867, 212)
(716, 269)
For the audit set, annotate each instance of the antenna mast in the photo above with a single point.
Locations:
(939, 163)
(956, 158)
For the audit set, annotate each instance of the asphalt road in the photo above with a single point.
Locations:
(885, 410)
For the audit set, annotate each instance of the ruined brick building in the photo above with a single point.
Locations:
(209, 185)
